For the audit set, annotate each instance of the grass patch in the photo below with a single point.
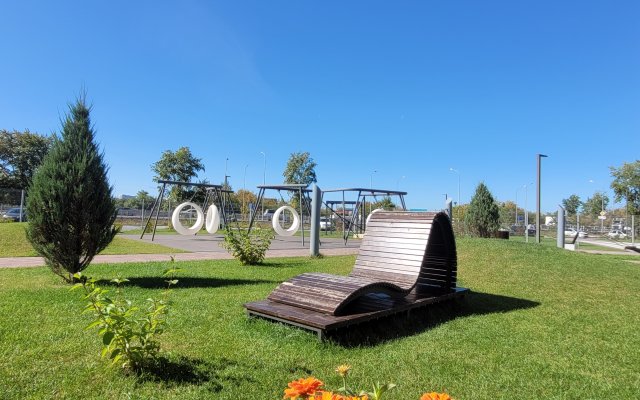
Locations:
(14, 243)
(541, 323)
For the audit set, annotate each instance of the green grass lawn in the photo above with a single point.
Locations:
(14, 243)
(541, 323)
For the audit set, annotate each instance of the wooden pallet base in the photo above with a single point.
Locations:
(366, 308)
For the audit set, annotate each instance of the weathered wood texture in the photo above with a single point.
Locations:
(401, 251)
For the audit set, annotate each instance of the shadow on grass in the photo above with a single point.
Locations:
(155, 282)
(405, 324)
(186, 371)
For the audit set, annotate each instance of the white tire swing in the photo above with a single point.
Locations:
(212, 222)
(276, 223)
(181, 229)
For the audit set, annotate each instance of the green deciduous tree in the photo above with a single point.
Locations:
(595, 204)
(21, 153)
(572, 204)
(385, 203)
(300, 169)
(482, 217)
(70, 206)
(181, 166)
(626, 185)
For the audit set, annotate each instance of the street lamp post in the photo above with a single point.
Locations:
(264, 177)
(526, 216)
(226, 176)
(457, 172)
(371, 178)
(244, 186)
(539, 158)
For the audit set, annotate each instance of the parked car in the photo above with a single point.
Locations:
(615, 234)
(13, 214)
(572, 232)
(326, 224)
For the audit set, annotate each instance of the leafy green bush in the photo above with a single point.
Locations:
(248, 248)
(129, 333)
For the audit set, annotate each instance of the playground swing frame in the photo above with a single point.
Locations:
(297, 188)
(355, 223)
(214, 193)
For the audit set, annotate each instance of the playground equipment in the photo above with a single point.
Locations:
(355, 223)
(304, 203)
(214, 194)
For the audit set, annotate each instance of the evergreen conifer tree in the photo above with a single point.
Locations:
(70, 206)
(483, 216)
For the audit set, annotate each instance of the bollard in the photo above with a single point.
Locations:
(316, 205)
(560, 241)
(449, 208)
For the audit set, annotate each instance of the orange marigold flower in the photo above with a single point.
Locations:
(435, 396)
(343, 369)
(302, 387)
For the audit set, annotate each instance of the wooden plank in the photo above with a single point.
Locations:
(374, 244)
(385, 239)
(392, 250)
(397, 234)
(389, 259)
(398, 255)
(389, 269)
(399, 225)
(403, 217)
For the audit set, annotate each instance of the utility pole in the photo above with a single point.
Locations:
(539, 158)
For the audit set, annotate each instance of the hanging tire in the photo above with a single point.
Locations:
(181, 229)
(276, 223)
(212, 222)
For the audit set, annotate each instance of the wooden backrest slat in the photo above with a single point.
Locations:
(409, 246)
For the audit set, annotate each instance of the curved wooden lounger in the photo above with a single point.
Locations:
(400, 252)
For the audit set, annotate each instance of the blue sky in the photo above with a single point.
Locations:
(409, 89)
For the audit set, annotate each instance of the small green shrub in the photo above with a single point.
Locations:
(482, 217)
(248, 248)
(129, 333)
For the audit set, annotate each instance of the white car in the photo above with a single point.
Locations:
(572, 232)
(326, 224)
(617, 235)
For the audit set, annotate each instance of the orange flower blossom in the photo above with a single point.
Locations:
(323, 395)
(302, 387)
(435, 396)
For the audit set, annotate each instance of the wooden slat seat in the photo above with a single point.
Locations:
(401, 252)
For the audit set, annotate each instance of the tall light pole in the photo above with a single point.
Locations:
(371, 178)
(457, 172)
(264, 177)
(539, 158)
(526, 214)
(244, 185)
(226, 182)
